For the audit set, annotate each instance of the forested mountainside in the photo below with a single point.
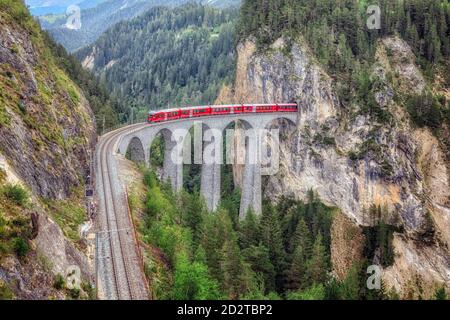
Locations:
(47, 132)
(106, 108)
(96, 20)
(338, 35)
(166, 57)
(372, 137)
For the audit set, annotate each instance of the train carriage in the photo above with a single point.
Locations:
(157, 116)
(220, 110)
(185, 113)
(201, 111)
(238, 109)
(265, 108)
(173, 114)
(287, 107)
(249, 108)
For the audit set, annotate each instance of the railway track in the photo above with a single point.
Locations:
(120, 273)
(118, 265)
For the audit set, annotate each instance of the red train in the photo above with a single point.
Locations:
(195, 112)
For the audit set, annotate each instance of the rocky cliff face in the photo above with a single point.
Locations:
(47, 124)
(46, 132)
(398, 167)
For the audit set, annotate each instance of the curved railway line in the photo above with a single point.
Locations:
(118, 267)
(118, 261)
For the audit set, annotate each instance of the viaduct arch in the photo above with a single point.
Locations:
(137, 143)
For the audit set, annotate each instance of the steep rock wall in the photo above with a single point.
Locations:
(47, 127)
(403, 168)
(46, 133)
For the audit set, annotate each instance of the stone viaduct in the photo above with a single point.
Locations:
(137, 144)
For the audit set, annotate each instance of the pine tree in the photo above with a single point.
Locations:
(317, 266)
(300, 246)
(349, 289)
(344, 53)
(216, 230)
(443, 32)
(296, 275)
(271, 237)
(440, 294)
(237, 276)
(249, 231)
(195, 210)
(259, 260)
(301, 237)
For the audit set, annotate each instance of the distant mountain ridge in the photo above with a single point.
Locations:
(96, 20)
(46, 7)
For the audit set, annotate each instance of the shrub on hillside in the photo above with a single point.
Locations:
(5, 292)
(59, 282)
(20, 246)
(16, 194)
